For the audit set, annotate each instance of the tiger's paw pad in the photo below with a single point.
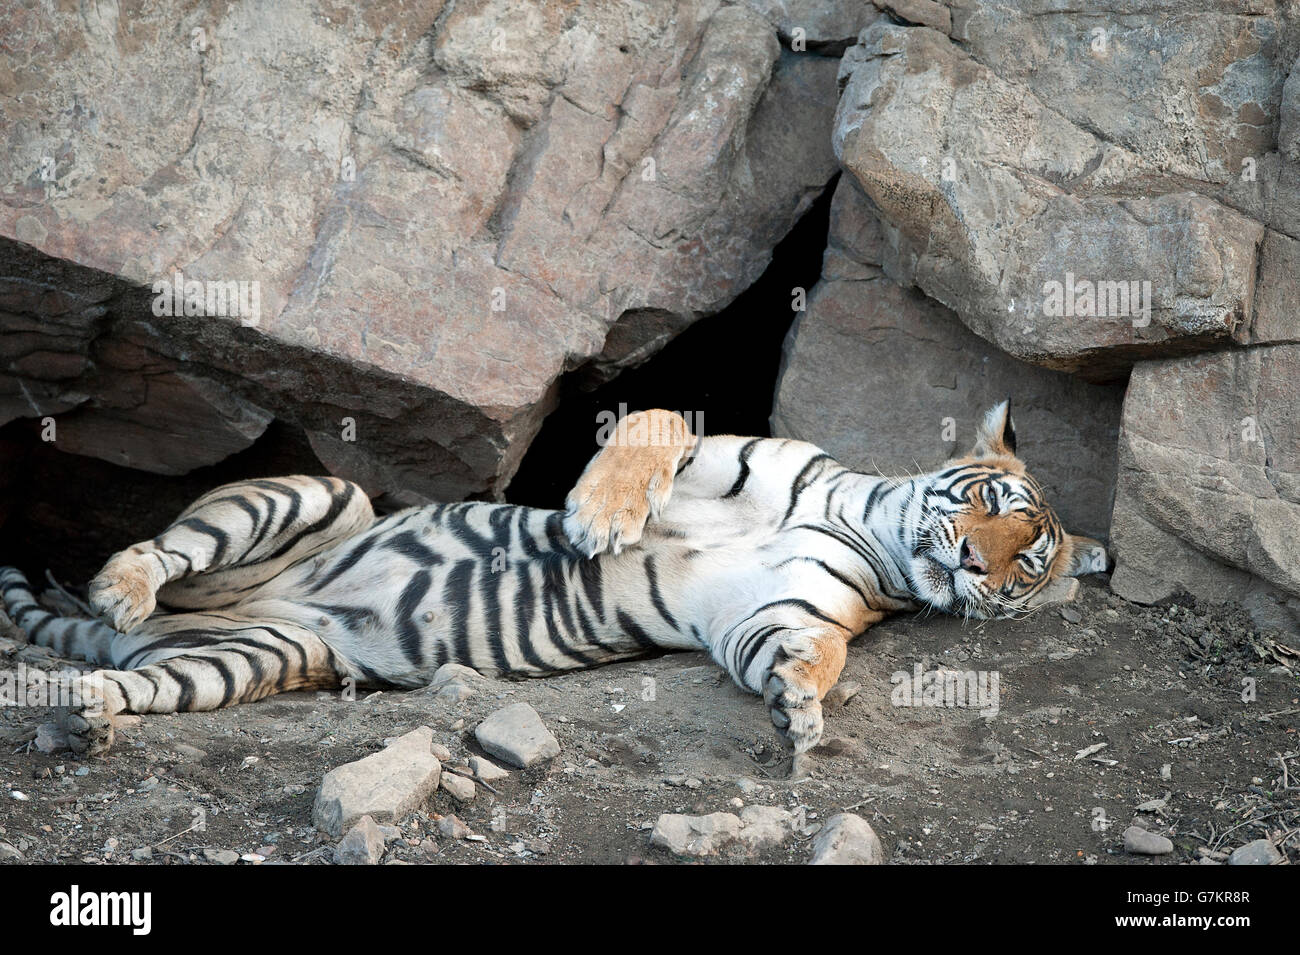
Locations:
(608, 508)
(795, 710)
(606, 520)
(90, 722)
(123, 594)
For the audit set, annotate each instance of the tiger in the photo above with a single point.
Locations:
(764, 553)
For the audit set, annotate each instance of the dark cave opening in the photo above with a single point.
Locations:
(67, 512)
(722, 370)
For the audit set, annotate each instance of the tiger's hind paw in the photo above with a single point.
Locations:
(123, 592)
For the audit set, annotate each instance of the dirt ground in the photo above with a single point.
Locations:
(1161, 687)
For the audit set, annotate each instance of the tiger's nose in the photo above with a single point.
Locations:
(970, 560)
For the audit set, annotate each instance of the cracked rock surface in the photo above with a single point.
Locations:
(444, 207)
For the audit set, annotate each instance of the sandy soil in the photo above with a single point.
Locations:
(1161, 687)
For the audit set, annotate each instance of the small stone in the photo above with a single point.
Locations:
(450, 827)
(1070, 615)
(9, 854)
(221, 856)
(764, 826)
(1259, 852)
(847, 839)
(517, 735)
(442, 753)
(748, 786)
(695, 835)
(363, 845)
(186, 751)
(143, 854)
(460, 788)
(837, 746)
(1139, 841)
(454, 693)
(840, 694)
(385, 786)
(455, 673)
(51, 738)
(486, 770)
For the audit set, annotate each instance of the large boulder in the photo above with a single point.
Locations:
(435, 211)
(1209, 476)
(891, 382)
(1008, 198)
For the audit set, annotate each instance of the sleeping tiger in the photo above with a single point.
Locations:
(765, 553)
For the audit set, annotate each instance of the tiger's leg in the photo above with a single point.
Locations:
(190, 662)
(228, 542)
(628, 482)
(792, 655)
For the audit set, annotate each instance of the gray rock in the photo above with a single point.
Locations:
(385, 785)
(454, 693)
(1209, 487)
(142, 854)
(455, 673)
(1140, 841)
(486, 770)
(1288, 133)
(363, 845)
(516, 735)
(51, 738)
(997, 203)
(9, 854)
(583, 191)
(221, 856)
(764, 826)
(695, 835)
(460, 788)
(847, 839)
(916, 409)
(1259, 852)
(825, 27)
(450, 827)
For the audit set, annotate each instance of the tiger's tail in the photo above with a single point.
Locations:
(70, 637)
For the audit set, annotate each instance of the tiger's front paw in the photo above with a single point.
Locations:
(627, 484)
(793, 704)
(123, 592)
(89, 722)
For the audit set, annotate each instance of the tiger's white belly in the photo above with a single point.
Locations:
(499, 588)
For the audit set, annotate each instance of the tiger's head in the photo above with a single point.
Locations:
(984, 542)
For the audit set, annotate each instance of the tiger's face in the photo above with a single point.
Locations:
(985, 542)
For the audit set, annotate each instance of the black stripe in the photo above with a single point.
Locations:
(347, 563)
(219, 537)
(408, 631)
(456, 597)
(801, 483)
(743, 477)
(633, 630)
(656, 597)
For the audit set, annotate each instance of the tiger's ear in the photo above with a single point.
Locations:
(1086, 556)
(996, 434)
